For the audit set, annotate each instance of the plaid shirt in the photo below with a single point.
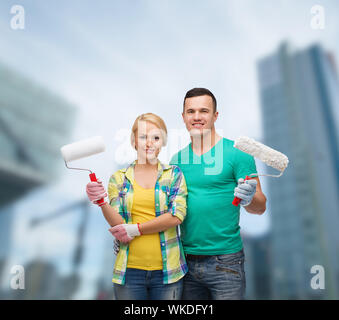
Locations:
(170, 196)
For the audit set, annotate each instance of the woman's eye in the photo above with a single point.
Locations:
(142, 137)
(156, 138)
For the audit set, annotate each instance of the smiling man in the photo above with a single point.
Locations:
(214, 172)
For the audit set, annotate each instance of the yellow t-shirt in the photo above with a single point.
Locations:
(144, 251)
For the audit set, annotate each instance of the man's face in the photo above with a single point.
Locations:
(198, 115)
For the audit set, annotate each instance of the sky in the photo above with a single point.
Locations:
(114, 60)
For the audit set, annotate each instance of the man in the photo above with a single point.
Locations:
(214, 171)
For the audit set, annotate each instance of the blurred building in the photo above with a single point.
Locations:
(257, 266)
(6, 216)
(299, 95)
(34, 125)
(104, 283)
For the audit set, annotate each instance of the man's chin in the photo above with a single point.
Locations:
(194, 132)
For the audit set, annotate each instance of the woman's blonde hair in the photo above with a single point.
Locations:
(153, 118)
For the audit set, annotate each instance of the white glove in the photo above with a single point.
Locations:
(96, 191)
(125, 232)
(245, 191)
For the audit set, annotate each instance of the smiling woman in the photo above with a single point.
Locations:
(148, 136)
(147, 201)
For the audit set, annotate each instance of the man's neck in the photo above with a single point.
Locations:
(204, 143)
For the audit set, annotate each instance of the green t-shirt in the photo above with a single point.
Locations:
(212, 226)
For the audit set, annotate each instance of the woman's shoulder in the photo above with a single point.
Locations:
(118, 175)
(172, 168)
(176, 172)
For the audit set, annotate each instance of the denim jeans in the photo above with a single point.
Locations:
(147, 285)
(220, 277)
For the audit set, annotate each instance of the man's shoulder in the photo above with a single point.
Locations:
(228, 147)
(227, 142)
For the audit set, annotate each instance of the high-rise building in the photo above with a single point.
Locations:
(42, 282)
(34, 124)
(257, 249)
(299, 95)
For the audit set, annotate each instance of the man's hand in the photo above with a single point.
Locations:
(245, 191)
(125, 232)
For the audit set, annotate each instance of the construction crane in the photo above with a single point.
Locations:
(74, 279)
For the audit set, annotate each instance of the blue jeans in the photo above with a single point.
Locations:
(147, 285)
(220, 277)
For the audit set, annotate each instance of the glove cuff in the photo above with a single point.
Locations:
(138, 224)
(245, 204)
(102, 204)
(132, 230)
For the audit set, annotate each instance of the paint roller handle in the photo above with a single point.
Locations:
(93, 178)
(237, 200)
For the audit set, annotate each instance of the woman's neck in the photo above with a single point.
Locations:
(142, 164)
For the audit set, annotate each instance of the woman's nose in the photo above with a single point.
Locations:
(148, 142)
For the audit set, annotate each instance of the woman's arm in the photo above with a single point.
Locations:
(175, 215)
(161, 223)
(176, 207)
(110, 210)
(111, 215)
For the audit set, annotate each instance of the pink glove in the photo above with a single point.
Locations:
(125, 232)
(96, 191)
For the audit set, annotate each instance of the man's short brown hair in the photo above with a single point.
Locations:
(197, 92)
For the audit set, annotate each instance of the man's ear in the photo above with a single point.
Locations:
(216, 114)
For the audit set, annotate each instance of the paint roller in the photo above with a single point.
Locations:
(271, 157)
(82, 149)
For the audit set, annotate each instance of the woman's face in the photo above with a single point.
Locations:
(148, 142)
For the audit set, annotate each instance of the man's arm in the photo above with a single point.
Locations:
(258, 203)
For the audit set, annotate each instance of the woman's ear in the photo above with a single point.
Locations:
(133, 141)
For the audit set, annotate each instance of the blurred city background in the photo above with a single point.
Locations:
(70, 70)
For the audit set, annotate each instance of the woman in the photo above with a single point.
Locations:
(147, 202)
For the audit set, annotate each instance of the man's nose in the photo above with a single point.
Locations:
(196, 115)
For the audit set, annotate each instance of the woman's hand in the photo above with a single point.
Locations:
(125, 232)
(96, 191)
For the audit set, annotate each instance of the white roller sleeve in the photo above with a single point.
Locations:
(266, 154)
(83, 148)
